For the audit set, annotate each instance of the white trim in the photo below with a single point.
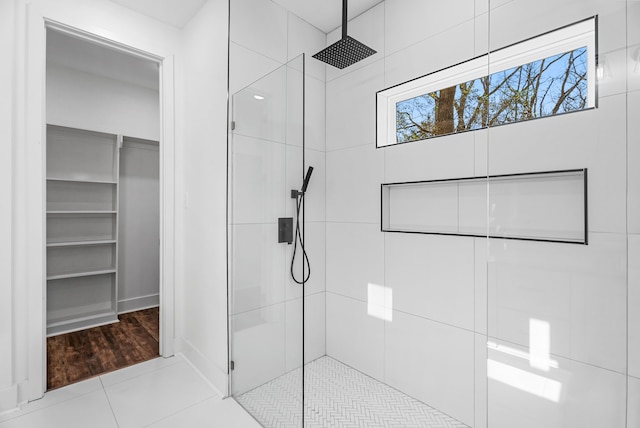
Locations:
(207, 368)
(30, 184)
(138, 303)
(553, 43)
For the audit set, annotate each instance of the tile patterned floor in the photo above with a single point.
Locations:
(338, 396)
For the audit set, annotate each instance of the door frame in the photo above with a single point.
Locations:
(30, 161)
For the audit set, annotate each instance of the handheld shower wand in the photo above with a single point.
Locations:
(299, 197)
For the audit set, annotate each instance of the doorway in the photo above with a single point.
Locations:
(103, 235)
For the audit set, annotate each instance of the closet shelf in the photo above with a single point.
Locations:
(80, 321)
(82, 212)
(75, 180)
(78, 243)
(90, 272)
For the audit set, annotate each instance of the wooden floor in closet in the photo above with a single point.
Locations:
(80, 355)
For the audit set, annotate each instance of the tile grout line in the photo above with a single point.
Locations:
(104, 391)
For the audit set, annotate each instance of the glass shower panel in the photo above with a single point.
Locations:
(556, 354)
(265, 159)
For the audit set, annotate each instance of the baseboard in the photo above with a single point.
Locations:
(138, 303)
(9, 399)
(213, 374)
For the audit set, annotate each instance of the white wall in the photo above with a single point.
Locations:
(87, 101)
(7, 47)
(266, 311)
(452, 294)
(139, 226)
(202, 296)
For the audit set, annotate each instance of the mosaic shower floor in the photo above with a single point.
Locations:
(338, 396)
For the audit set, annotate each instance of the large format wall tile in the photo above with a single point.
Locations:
(571, 298)
(305, 38)
(255, 246)
(314, 330)
(633, 154)
(353, 336)
(568, 394)
(355, 258)
(633, 400)
(634, 305)
(548, 15)
(411, 61)
(258, 346)
(441, 356)
(314, 209)
(258, 180)
(314, 242)
(260, 26)
(439, 158)
(594, 139)
(633, 42)
(409, 21)
(353, 184)
(432, 276)
(247, 66)
(351, 107)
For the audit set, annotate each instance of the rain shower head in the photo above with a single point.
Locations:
(347, 50)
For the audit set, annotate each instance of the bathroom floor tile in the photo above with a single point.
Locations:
(151, 397)
(90, 410)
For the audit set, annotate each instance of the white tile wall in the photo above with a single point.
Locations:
(315, 196)
(441, 356)
(634, 305)
(258, 346)
(595, 139)
(247, 66)
(633, 403)
(579, 290)
(259, 267)
(304, 38)
(481, 257)
(481, 404)
(633, 154)
(572, 395)
(355, 258)
(432, 276)
(314, 330)
(411, 62)
(353, 184)
(354, 337)
(260, 26)
(315, 248)
(633, 41)
(258, 180)
(351, 108)
(548, 15)
(315, 110)
(439, 158)
(421, 19)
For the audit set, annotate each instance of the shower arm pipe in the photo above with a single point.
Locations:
(344, 19)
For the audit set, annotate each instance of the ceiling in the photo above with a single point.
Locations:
(173, 12)
(325, 15)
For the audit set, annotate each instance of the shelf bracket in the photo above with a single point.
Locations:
(120, 141)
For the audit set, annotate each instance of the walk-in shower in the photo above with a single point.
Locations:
(472, 218)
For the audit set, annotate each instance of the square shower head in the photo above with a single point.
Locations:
(344, 52)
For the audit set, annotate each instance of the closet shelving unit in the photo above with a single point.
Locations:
(82, 228)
